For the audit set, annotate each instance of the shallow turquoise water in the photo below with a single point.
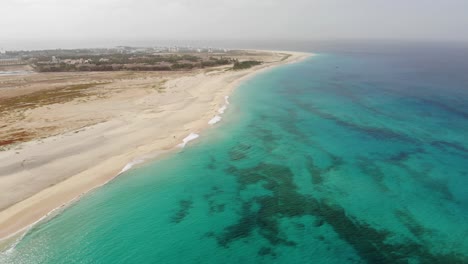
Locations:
(344, 158)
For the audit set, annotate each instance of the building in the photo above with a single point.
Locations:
(73, 62)
(173, 49)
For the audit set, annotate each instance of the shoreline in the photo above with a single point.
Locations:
(18, 219)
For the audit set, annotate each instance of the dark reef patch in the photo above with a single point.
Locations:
(423, 177)
(184, 208)
(216, 208)
(289, 123)
(448, 146)
(242, 229)
(402, 156)
(243, 147)
(445, 107)
(357, 99)
(263, 214)
(314, 171)
(413, 226)
(370, 168)
(239, 151)
(378, 133)
(214, 205)
(266, 136)
(212, 164)
(317, 173)
(214, 191)
(266, 251)
(235, 155)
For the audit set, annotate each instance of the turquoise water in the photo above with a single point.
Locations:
(342, 158)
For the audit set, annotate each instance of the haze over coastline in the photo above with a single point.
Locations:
(222, 131)
(48, 24)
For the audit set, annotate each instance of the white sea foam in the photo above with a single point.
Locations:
(187, 139)
(131, 164)
(214, 120)
(222, 109)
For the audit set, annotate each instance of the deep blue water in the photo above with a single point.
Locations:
(347, 157)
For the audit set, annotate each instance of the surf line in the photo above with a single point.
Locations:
(130, 165)
(187, 139)
(213, 121)
(221, 110)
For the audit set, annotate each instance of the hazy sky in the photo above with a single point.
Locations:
(94, 21)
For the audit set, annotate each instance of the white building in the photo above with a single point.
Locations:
(174, 49)
(73, 62)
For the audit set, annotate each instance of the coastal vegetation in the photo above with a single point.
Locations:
(19, 104)
(125, 59)
(245, 64)
(47, 97)
(127, 62)
(134, 59)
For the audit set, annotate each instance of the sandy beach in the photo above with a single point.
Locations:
(83, 143)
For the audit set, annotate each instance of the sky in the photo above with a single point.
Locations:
(53, 23)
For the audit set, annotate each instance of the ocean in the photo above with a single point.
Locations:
(351, 156)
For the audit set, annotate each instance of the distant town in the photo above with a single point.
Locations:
(124, 58)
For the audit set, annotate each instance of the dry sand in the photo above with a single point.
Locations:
(94, 139)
